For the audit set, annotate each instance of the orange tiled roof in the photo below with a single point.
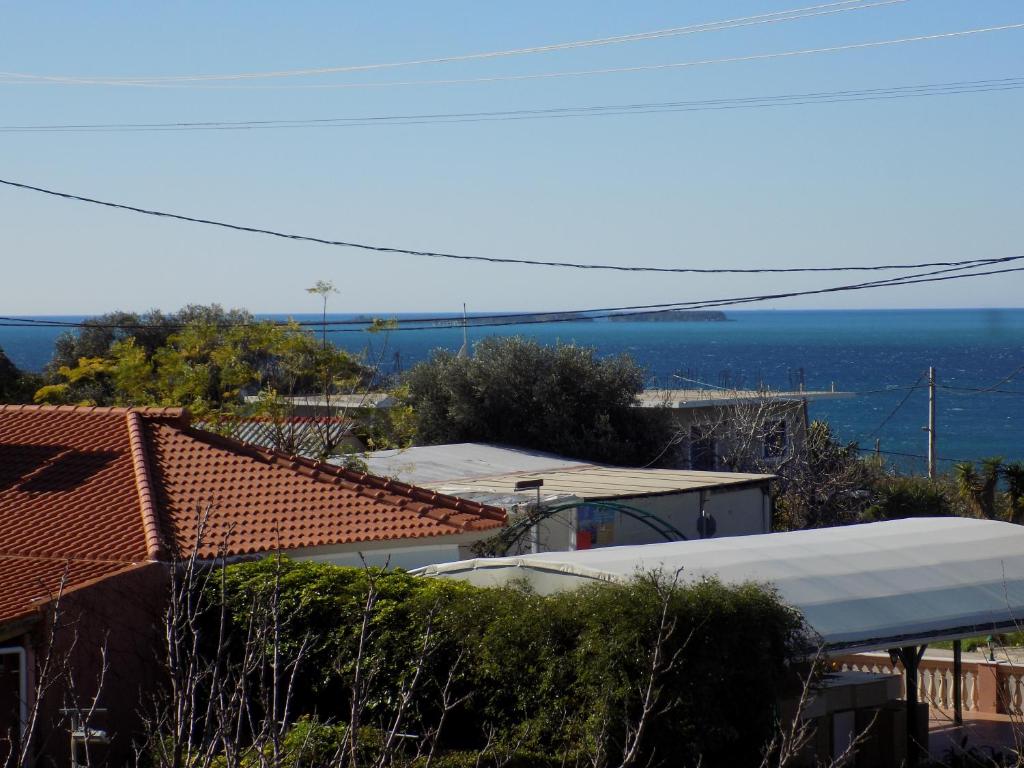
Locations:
(104, 488)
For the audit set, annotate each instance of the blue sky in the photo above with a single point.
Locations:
(907, 180)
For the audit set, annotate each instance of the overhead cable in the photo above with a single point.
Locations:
(991, 388)
(915, 455)
(578, 72)
(899, 405)
(571, 315)
(712, 26)
(494, 259)
(559, 113)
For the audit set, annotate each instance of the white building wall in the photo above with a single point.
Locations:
(396, 554)
(739, 512)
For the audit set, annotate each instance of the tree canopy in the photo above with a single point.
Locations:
(561, 398)
(16, 386)
(221, 365)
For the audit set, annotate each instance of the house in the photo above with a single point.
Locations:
(599, 505)
(735, 429)
(716, 429)
(96, 502)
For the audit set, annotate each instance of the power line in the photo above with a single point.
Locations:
(459, 118)
(575, 315)
(579, 314)
(895, 410)
(526, 318)
(915, 455)
(494, 259)
(975, 391)
(584, 72)
(991, 388)
(713, 26)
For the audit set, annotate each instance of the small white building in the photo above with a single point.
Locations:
(723, 429)
(598, 505)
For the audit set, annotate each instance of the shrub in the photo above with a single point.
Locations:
(551, 675)
(901, 497)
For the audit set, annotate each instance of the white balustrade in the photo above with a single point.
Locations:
(935, 683)
(969, 690)
(1013, 694)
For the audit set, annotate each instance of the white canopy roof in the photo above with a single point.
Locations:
(878, 585)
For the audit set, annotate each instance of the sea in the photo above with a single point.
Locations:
(880, 356)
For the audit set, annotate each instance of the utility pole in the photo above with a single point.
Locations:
(931, 423)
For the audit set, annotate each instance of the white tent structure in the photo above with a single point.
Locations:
(879, 585)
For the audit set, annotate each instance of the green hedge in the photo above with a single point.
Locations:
(554, 675)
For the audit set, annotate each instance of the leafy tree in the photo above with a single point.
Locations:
(211, 365)
(323, 289)
(150, 330)
(561, 398)
(16, 386)
(901, 497)
(825, 484)
(977, 487)
(1013, 474)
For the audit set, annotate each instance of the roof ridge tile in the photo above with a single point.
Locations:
(144, 484)
(153, 412)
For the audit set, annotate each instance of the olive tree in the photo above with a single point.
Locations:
(561, 398)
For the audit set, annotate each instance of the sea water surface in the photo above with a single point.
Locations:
(877, 353)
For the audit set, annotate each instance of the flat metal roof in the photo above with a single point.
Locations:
(594, 483)
(878, 585)
(708, 398)
(432, 464)
(339, 401)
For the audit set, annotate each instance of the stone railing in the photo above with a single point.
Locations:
(985, 686)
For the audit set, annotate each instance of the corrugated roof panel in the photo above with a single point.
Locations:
(598, 482)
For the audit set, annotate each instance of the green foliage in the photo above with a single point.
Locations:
(901, 497)
(150, 330)
(551, 675)
(204, 359)
(978, 486)
(515, 391)
(827, 484)
(16, 386)
(310, 742)
(497, 758)
(1013, 474)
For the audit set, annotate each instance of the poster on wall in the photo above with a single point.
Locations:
(595, 527)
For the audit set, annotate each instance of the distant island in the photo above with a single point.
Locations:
(672, 316)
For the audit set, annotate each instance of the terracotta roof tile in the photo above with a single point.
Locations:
(102, 488)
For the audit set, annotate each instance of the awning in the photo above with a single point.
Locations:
(860, 587)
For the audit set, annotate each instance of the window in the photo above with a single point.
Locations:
(775, 439)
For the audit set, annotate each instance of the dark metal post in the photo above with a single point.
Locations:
(910, 658)
(958, 671)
